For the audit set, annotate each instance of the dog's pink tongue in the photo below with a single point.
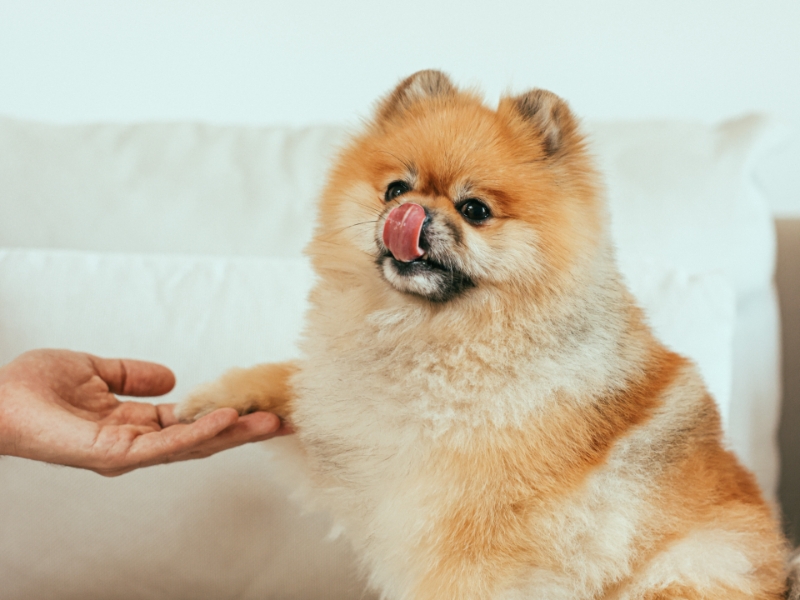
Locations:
(401, 231)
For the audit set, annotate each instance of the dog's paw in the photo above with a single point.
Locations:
(202, 400)
(262, 387)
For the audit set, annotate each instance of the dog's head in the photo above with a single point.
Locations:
(442, 197)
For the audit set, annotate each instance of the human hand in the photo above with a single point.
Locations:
(60, 407)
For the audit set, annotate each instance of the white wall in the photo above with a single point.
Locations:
(308, 61)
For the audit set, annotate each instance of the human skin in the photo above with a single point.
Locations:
(61, 407)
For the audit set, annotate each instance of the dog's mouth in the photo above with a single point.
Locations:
(424, 277)
(419, 265)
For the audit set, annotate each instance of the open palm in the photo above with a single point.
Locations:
(61, 407)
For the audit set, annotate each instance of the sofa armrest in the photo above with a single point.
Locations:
(787, 277)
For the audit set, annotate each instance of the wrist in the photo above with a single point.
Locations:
(13, 394)
(6, 431)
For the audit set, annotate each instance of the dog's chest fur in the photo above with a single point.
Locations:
(384, 402)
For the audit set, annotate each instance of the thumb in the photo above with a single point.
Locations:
(134, 377)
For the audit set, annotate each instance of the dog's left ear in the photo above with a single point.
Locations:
(548, 115)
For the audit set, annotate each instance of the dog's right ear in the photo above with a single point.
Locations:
(420, 85)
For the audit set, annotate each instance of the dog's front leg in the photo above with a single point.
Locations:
(262, 387)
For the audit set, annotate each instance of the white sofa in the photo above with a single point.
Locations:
(182, 243)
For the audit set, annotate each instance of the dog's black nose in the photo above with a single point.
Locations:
(424, 234)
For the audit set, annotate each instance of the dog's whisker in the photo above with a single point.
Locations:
(340, 244)
(377, 211)
(335, 231)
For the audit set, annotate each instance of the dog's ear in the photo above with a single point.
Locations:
(420, 85)
(549, 116)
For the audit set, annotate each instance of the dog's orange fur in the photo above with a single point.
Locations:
(497, 496)
(488, 528)
(263, 387)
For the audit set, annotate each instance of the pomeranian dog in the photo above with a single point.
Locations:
(480, 402)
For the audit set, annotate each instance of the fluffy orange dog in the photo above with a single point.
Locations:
(480, 402)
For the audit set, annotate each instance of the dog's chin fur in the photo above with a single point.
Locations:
(426, 278)
(499, 421)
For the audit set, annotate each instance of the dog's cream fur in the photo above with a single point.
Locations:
(523, 436)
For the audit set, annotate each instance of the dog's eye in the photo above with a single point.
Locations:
(475, 210)
(395, 189)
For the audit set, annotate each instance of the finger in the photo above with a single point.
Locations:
(133, 413)
(248, 428)
(167, 418)
(285, 429)
(158, 446)
(134, 377)
(166, 415)
(255, 427)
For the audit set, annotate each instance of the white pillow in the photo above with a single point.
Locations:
(220, 527)
(692, 314)
(685, 193)
(200, 315)
(182, 188)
